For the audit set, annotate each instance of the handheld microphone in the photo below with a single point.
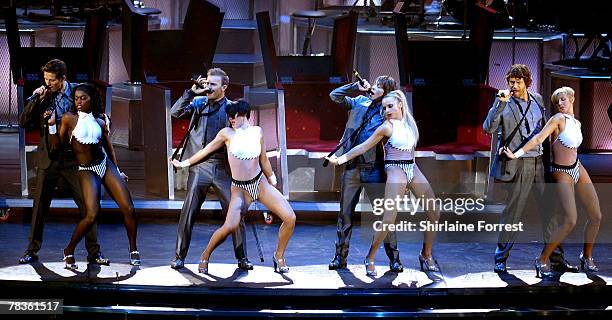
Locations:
(361, 81)
(502, 95)
(207, 90)
(194, 81)
(32, 97)
(35, 95)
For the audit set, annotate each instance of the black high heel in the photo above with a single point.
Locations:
(587, 264)
(369, 273)
(543, 270)
(203, 266)
(135, 258)
(70, 262)
(277, 267)
(431, 264)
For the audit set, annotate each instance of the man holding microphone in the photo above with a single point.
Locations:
(520, 115)
(44, 110)
(365, 116)
(204, 103)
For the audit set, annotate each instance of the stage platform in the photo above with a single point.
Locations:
(466, 285)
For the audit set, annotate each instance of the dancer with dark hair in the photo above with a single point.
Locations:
(86, 129)
(572, 179)
(248, 163)
(400, 135)
(55, 166)
(205, 105)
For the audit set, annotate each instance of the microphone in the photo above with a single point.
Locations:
(361, 81)
(207, 90)
(35, 95)
(198, 85)
(502, 95)
(32, 97)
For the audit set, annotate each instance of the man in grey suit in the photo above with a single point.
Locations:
(520, 115)
(365, 112)
(208, 117)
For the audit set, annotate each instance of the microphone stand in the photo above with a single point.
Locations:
(465, 15)
(513, 26)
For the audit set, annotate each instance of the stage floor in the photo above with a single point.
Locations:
(463, 265)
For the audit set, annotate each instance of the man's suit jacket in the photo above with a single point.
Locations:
(504, 116)
(182, 109)
(32, 117)
(357, 108)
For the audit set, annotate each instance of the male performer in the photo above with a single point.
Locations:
(365, 112)
(207, 119)
(520, 115)
(54, 166)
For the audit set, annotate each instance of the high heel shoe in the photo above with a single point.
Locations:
(203, 266)
(369, 273)
(587, 264)
(277, 266)
(543, 270)
(428, 264)
(135, 258)
(70, 262)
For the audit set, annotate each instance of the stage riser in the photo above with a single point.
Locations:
(532, 301)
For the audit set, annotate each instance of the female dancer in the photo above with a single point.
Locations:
(86, 128)
(247, 160)
(571, 178)
(401, 135)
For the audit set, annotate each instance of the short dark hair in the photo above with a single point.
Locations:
(387, 83)
(240, 107)
(519, 71)
(97, 107)
(219, 72)
(56, 66)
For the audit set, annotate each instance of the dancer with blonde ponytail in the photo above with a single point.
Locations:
(400, 135)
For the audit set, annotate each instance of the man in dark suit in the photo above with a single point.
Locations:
(519, 115)
(364, 112)
(208, 117)
(54, 166)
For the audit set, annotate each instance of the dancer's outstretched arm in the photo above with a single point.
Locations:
(553, 125)
(217, 143)
(381, 132)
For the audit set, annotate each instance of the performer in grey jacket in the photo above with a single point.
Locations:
(208, 117)
(520, 115)
(366, 111)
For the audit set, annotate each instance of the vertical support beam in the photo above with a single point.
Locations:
(282, 142)
(108, 97)
(23, 163)
(159, 173)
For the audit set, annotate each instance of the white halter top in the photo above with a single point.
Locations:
(571, 136)
(87, 129)
(246, 143)
(402, 137)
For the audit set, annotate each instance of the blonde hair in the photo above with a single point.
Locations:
(563, 90)
(406, 115)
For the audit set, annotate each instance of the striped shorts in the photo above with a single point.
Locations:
(573, 170)
(250, 186)
(99, 168)
(406, 165)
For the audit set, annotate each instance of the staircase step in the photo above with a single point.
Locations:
(239, 24)
(243, 41)
(237, 58)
